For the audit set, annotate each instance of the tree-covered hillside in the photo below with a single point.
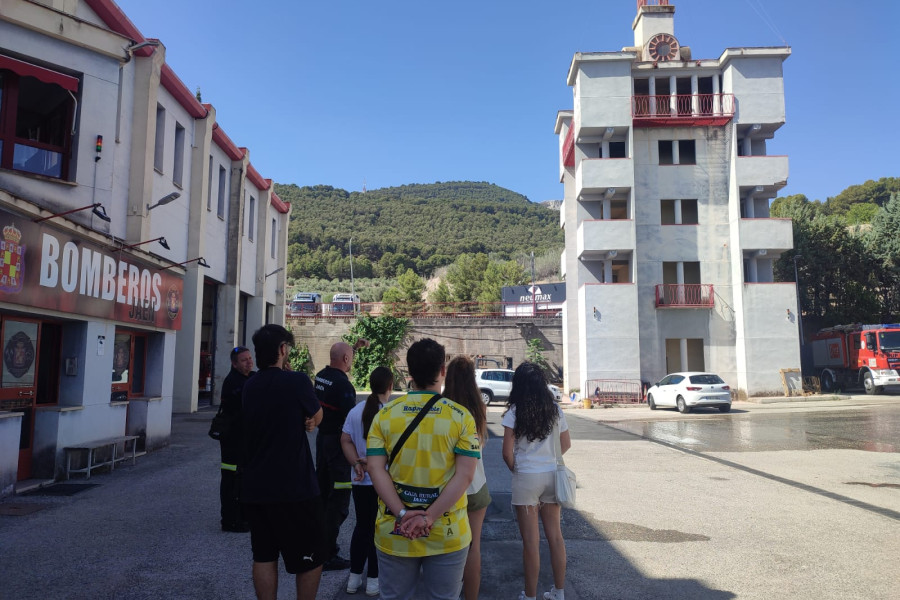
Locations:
(420, 226)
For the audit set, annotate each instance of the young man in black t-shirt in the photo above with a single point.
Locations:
(279, 488)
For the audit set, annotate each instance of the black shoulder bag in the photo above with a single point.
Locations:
(222, 425)
(412, 427)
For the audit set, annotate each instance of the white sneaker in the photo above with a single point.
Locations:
(522, 596)
(356, 580)
(372, 588)
(555, 594)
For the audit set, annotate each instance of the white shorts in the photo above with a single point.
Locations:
(531, 489)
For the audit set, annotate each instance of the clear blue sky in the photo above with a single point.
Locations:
(339, 92)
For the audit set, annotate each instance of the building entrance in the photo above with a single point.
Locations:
(29, 376)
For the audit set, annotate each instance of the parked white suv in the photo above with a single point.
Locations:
(495, 384)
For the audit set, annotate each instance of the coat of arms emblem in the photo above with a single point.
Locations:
(12, 260)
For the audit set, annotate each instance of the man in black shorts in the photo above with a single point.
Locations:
(279, 488)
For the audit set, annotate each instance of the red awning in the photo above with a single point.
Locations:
(46, 75)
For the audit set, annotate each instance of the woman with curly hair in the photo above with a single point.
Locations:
(531, 424)
(353, 442)
(460, 387)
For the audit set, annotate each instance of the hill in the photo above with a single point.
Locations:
(418, 226)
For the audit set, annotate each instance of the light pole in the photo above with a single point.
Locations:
(799, 309)
(533, 294)
(352, 288)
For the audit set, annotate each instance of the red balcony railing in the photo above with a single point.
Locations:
(666, 110)
(652, 3)
(685, 295)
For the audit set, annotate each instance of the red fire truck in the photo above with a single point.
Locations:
(852, 355)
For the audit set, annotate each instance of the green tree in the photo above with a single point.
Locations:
(861, 213)
(385, 334)
(884, 243)
(300, 360)
(535, 353)
(465, 275)
(442, 297)
(495, 277)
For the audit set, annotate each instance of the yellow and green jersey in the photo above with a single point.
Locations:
(422, 468)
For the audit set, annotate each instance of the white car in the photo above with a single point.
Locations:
(495, 384)
(686, 391)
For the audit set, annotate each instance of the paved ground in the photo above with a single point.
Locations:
(663, 513)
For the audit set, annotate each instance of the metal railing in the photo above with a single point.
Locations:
(685, 295)
(614, 391)
(641, 3)
(457, 310)
(715, 108)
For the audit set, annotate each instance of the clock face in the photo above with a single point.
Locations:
(663, 47)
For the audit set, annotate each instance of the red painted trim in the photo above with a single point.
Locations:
(256, 179)
(224, 142)
(766, 219)
(182, 94)
(569, 147)
(110, 13)
(278, 203)
(24, 69)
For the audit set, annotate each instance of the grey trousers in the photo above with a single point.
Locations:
(440, 579)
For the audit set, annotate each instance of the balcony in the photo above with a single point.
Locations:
(768, 171)
(598, 175)
(767, 234)
(596, 237)
(684, 295)
(683, 110)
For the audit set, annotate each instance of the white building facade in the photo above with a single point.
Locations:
(668, 242)
(139, 242)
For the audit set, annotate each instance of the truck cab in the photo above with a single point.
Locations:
(866, 355)
(305, 304)
(345, 305)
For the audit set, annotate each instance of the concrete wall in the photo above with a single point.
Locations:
(490, 337)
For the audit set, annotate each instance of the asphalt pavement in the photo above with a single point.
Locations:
(656, 518)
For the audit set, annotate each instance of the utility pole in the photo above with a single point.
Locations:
(533, 295)
(799, 311)
(352, 288)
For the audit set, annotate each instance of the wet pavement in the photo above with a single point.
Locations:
(766, 502)
(873, 429)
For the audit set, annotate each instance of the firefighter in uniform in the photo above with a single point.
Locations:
(232, 388)
(337, 397)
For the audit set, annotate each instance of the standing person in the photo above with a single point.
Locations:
(279, 489)
(460, 385)
(421, 480)
(230, 446)
(353, 441)
(531, 424)
(337, 396)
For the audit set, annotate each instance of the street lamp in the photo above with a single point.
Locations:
(799, 309)
(352, 288)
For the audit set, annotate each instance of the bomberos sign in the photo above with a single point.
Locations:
(44, 267)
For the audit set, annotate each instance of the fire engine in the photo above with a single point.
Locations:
(849, 355)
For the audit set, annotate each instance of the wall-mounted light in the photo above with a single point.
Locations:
(199, 260)
(97, 210)
(164, 200)
(275, 271)
(597, 314)
(160, 239)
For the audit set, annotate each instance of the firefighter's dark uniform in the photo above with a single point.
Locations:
(232, 388)
(337, 397)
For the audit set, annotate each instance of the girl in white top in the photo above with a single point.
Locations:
(365, 500)
(530, 424)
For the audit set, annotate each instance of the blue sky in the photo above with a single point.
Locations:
(342, 92)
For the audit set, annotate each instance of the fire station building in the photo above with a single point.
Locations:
(669, 244)
(137, 239)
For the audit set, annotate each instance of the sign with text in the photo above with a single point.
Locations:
(43, 267)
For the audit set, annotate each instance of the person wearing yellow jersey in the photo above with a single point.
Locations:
(422, 529)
